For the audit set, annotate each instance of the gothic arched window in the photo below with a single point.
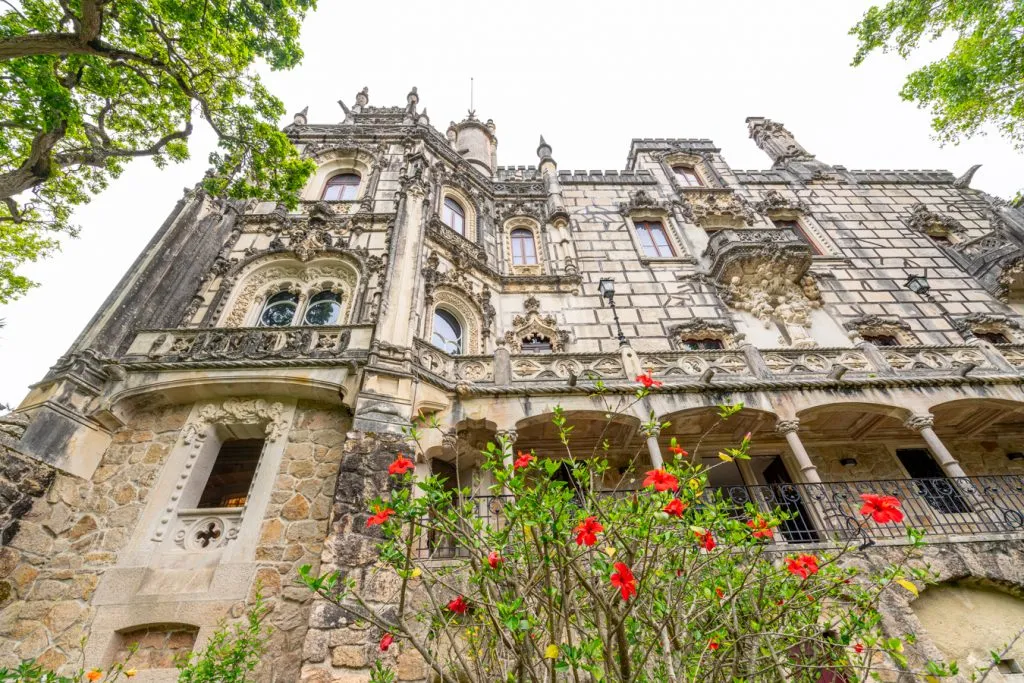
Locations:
(687, 177)
(279, 310)
(341, 188)
(447, 334)
(324, 309)
(524, 247)
(454, 216)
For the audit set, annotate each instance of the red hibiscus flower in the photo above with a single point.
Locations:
(522, 461)
(882, 508)
(401, 465)
(713, 645)
(760, 528)
(678, 450)
(381, 515)
(802, 565)
(675, 507)
(494, 559)
(661, 481)
(587, 530)
(647, 380)
(706, 540)
(623, 579)
(720, 593)
(858, 648)
(458, 605)
(386, 641)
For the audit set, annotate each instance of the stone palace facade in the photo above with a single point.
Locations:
(231, 408)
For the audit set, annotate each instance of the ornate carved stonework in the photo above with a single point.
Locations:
(716, 209)
(294, 277)
(453, 288)
(916, 423)
(461, 250)
(534, 326)
(775, 141)
(928, 222)
(642, 200)
(990, 323)
(773, 201)
(237, 411)
(1011, 278)
(250, 343)
(702, 328)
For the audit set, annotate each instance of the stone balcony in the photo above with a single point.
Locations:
(741, 252)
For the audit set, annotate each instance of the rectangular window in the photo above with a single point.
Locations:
(881, 339)
(800, 232)
(686, 176)
(940, 493)
(232, 474)
(699, 344)
(654, 240)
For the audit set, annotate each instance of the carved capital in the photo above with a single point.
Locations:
(918, 422)
(510, 434)
(784, 427)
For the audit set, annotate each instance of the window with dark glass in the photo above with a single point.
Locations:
(800, 232)
(686, 176)
(524, 247)
(881, 339)
(698, 344)
(447, 334)
(536, 344)
(324, 309)
(992, 337)
(654, 239)
(232, 474)
(341, 188)
(454, 216)
(930, 482)
(279, 310)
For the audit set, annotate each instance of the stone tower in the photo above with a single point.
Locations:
(229, 411)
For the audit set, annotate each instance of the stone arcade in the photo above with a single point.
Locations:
(229, 411)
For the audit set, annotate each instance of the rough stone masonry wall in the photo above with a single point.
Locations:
(22, 480)
(337, 648)
(66, 541)
(69, 537)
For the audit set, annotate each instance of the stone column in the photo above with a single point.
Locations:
(511, 435)
(653, 448)
(808, 471)
(923, 424)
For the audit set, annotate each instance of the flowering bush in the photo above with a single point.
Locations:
(668, 582)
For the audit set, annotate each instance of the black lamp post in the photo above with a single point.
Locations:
(606, 287)
(918, 284)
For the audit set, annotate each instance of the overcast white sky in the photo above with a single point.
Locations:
(590, 76)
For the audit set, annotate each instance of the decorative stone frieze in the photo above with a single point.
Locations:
(642, 200)
(980, 323)
(257, 343)
(712, 209)
(535, 327)
(774, 204)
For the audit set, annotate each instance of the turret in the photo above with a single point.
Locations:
(476, 142)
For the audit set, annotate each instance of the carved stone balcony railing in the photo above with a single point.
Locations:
(243, 344)
(206, 528)
(780, 251)
(968, 509)
(744, 367)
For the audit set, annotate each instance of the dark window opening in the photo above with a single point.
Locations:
(992, 337)
(536, 344)
(932, 484)
(881, 339)
(701, 344)
(784, 224)
(232, 474)
(941, 239)
(654, 240)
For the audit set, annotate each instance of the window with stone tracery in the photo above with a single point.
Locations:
(279, 310)
(454, 216)
(447, 332)
(322, 308)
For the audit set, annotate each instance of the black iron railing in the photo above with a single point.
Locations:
(830, 512)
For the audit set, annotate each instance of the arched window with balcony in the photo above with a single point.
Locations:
(447, 332)
(279, 310)
(343, 187)
(324, 309)
(454, 216)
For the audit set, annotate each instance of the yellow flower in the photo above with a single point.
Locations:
(416, 572)
(551, 652)
(130, 673)
(94, 675)
(609, 551)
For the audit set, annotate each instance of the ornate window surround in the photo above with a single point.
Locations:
(698, 162)
(170, 520)
(704, 328)
(266, 277)
(335, 162)
(642, 208)
(468, 206)
(994, 323)
(524, 223)
(534, 323)
(453, 302)
(933, 224)
(877, 326)
(776, 207)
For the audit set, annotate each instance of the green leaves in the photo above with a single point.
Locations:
(75, 108)
(977, 83)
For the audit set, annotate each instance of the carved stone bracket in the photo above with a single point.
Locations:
(929, 222)
(702, 328)
(237, 411)
(773, 202)
(642, 200)
(534, 326)
(716, 209)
